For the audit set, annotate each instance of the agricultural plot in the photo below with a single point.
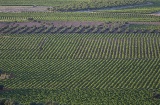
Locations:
(76, 53)
(71, 16)
(37, 2)
(66, 80)
(76, 46)
(43, 27)
(70, 5)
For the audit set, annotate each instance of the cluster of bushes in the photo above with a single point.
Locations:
(94, 4)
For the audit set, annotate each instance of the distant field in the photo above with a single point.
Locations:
(71, 16)
(72, 5)
(37, 2)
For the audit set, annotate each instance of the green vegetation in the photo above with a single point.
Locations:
(65, 81)
(99, 16)
(144, 26)
(64, 57)
(39, 2)
(12, 102)
(152, 8)
(85, 96)
(67, 65)
(76, 46)
(94, 4)
(82, 73)
(69, 5)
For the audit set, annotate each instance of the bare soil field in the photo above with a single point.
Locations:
(24, 9)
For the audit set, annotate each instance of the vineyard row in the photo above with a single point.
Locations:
(72, 29)
(79, 47)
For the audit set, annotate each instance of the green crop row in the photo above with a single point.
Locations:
(82, 81)
(84, 96)
(99, 16)
(80, 46)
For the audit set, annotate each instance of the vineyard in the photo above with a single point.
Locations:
(68, 5)
(76, 46)
(70, 27)
(91, 77)
(81, 52)
(80, 64)
(71, 16)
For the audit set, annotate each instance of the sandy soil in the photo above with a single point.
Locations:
(23, 8)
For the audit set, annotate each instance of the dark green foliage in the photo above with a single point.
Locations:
(8, 102)
(85, 96)
(1, 87)
(11, 102)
